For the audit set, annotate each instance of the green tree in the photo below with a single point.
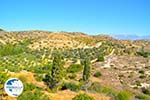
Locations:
(55, 77)
(87, 69)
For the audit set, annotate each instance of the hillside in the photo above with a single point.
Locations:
(113, 69)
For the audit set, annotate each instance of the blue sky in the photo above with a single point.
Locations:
(90, 16)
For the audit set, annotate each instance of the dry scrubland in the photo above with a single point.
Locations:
(75, 66)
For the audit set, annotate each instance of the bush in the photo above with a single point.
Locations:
(33, 95)
(146, 91)
(3, 79)
(30, 87)
(96, 87)
(11, 49)
(142, 76)
(39, 77)
(100, 58)
(71, 86)
(74, 68)
(143, 53)
(83, 97)
(141, 71)
(124, 95)
(42, 69)
(72, 76)
(98, 74)
(142, 97)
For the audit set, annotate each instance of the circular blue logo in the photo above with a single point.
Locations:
(13, 87)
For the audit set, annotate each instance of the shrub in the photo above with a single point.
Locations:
(124, 95)
(95, 87)
(98, 74)
(11, 49)
(142, 97)
(146, 91)
(72, 76)
(138, 83)
(100, 58)
(71, 86)
(39, 77)
(141, 71)
(30, 87)
(33, 95)
(83, 97)
(143, 53)
(142, 76)
(74, 68)
(42, 69)
(3, 79)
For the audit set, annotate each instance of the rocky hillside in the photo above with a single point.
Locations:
(83, 66)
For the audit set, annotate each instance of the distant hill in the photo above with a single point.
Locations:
(131, 37)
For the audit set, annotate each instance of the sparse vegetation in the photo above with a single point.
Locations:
(35, 95)
(83, 97)
(71, 86)
(124, 95)
(65, 62)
